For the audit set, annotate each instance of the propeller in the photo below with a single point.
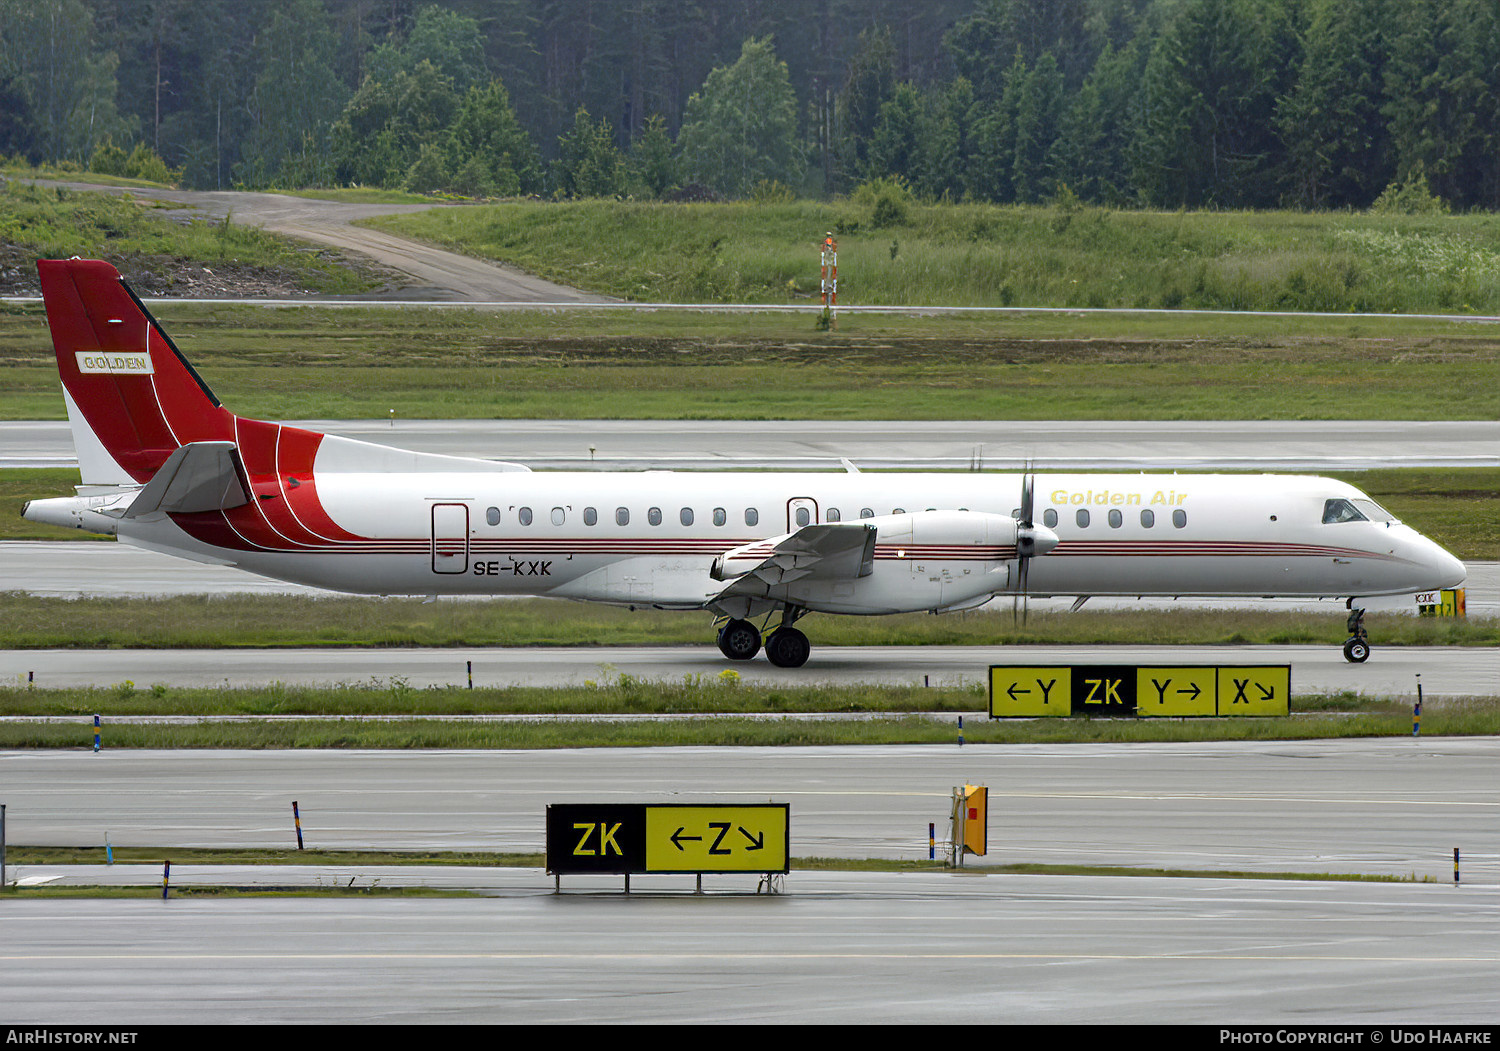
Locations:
(1031, 540)
(1025, 544)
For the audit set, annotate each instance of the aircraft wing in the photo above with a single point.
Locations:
(830, 551)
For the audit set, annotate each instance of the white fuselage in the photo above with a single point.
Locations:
(650, 538)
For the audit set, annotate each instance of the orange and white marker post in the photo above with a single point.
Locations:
(830, 284)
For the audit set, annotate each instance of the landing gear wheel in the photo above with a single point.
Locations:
(788, 648)
(1356, 651)
(739, 640)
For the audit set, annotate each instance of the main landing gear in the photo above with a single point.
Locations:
(786, 647)
(1357, 645)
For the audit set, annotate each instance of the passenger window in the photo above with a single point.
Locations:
(866, 512)
(622, 516)
(833, 515)
(492, 516)
(558, 516)
(1082, 518)
(898, 510)
(1049, 518)
(1336, 511)
(1148, 518)
(685, 516)
(1116, 519)
(525, 516)
(752, 516)
(653, 515)
(590, 516)
(803, 516)
(1179, 518)
(719, 516)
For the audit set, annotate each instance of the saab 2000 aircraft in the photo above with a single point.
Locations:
(165, 466)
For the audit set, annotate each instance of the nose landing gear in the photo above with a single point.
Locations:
(1357, 645)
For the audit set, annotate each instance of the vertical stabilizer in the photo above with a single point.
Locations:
(132, 398)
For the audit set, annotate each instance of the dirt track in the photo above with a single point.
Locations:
(433, 273)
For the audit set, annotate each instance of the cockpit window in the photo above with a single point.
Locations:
(1335, 511)
(1373, 511)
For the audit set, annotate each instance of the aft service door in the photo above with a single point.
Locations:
(450, 538)
(800, 511)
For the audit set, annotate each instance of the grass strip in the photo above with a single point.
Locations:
(981, 254)
(1454, 717)
(201, 891)
(254, 621)
(55, 222)
(207, 856)
(321, 363)
(619, 697)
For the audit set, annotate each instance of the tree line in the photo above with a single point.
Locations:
(1158, 103)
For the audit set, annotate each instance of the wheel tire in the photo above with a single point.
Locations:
(739, 640)
(1356, 651)
(788, 648)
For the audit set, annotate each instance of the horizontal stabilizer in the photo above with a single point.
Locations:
(199, 476)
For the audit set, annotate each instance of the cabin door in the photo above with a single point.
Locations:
(450, 538)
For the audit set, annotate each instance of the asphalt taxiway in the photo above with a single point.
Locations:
(1115, 445)
(836, 949)
(937, 947)
(1388, 806)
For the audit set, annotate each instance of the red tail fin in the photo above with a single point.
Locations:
(132, 397)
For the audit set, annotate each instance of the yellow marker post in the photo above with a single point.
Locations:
(976, 819)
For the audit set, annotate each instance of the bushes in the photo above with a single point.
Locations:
(140, 163)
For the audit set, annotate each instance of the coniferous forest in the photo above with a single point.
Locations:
(1314, 104)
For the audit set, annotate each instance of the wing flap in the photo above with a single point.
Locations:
(819, 552)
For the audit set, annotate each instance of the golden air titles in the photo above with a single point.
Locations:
(1116, 498)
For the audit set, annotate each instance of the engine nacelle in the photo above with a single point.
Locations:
(925, 560)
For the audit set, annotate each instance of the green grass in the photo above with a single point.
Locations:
(359, 195)
(29, 855)
(180, 891)
(233, 621)
(1379, 718)
(614, 695)
(991, 255)
(55, 223)
(312, 362)
(24, 171)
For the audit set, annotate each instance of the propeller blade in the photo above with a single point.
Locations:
(1025, 601)
(1025, 544)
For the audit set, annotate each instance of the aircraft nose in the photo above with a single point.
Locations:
(1452, 571)
(1439, 569)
